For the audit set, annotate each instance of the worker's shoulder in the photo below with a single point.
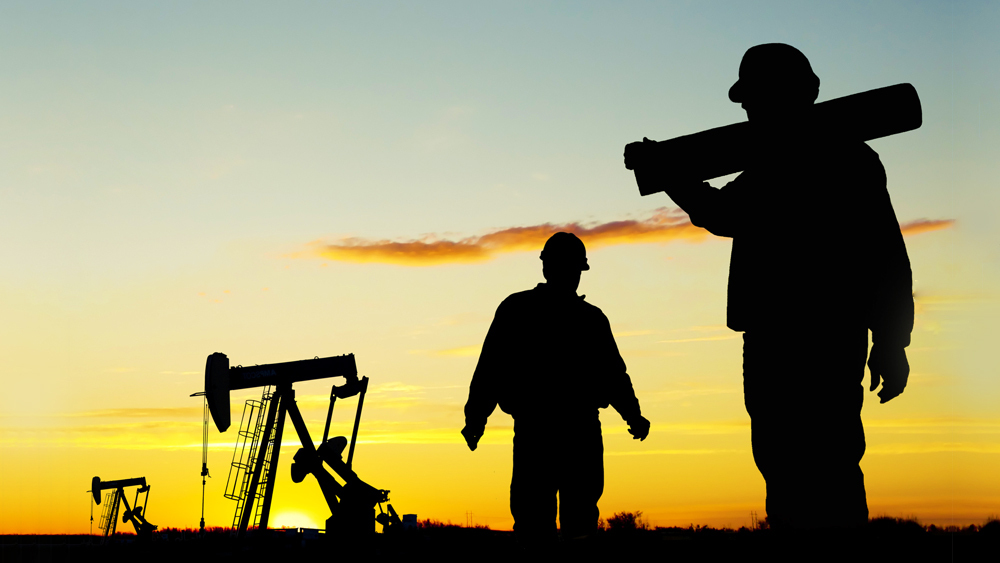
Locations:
(862, 165)
(853, 150)
(520, 301)
(863, 151)
(519, 298)
(532, 298)
(590, 307)
(592, 313)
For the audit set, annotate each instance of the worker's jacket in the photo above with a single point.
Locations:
(816, 244)
(549, 358)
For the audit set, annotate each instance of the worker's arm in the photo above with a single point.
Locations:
(621, 394)
(483, 394)
(891, 280)
(625, 402)
(710, 208)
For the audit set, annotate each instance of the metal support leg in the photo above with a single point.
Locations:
(357, 420)
(272, 473)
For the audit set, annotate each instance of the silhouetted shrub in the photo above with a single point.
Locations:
(892, 525)
(625, 521)
(431, 523)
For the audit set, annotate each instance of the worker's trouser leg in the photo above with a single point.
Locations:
(547, 462)
(804, 396)
(581, 484)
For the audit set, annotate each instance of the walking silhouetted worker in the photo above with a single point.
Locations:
(817, 260)
(550, 361)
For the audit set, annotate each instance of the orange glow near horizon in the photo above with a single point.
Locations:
(695, 468)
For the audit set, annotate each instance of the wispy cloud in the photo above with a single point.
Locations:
(699, 339)
(675, 452)
(952, 302)
(461, 351)
(395, 387)
(691, 428)
(934, 447)
(663, 225)
(925, 226)
(703, 333)
(168, 412)
(150, 434)
(628, 333)
(943, 425)
(172, 435)
(679, 394)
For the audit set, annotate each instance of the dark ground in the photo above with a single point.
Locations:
(882, 541)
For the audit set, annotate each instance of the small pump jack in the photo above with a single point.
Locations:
(352, 504)
(143, 529)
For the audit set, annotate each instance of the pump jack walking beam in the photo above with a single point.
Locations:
(220, 379)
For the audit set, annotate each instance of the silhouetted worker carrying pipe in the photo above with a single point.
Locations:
(550, 361)
(817, 260)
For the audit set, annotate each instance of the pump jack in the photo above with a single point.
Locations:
(134, 513)
(352, 505)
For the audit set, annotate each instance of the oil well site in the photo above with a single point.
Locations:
(499, 281)
(363, 523)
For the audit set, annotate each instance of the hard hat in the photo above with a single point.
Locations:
(565, 248)
(775, 71)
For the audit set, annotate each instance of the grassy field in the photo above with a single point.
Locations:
(883, 540)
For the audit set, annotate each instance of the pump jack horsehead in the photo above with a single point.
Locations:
(352, 505)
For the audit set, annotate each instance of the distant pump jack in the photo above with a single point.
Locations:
(255, 461)
(134, 513)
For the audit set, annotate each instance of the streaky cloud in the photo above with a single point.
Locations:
(663, 225)
(160, 412)
(675, 452)
(925, 226)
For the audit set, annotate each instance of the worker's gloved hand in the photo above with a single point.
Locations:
(889, 364)
(472, 435)
(636, 153)
(638, 427)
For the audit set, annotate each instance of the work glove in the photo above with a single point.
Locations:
(638, 427)
(472, 434)
(889, 364)
(636, 153)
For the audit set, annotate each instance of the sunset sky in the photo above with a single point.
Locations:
(283, 181)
